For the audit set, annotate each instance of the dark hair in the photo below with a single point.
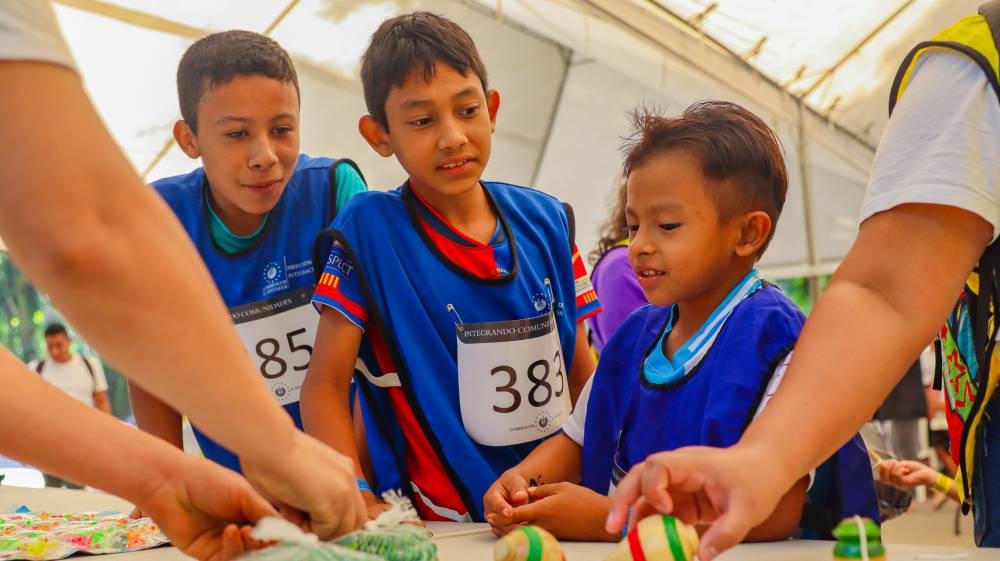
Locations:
(738, 152)
(615, 229)
(414, 43)
(218, 58)
(54, 329)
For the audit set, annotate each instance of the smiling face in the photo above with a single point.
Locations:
(248, 140)
(679, 248)
(439, 129)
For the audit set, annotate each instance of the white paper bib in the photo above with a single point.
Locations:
(278, 334)
(511, 380)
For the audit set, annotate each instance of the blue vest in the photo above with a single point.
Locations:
(629, 418)
(409, 287)
(273, 276)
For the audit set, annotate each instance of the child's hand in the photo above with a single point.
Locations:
(508, 491)
(906, 473)
(568, 511)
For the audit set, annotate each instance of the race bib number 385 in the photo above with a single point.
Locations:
(278, 333)
(511, 380)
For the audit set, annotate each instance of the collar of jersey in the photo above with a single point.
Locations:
(430, 216)
(224, 237)
(658, 369)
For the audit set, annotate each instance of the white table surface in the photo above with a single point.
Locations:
(478, 546)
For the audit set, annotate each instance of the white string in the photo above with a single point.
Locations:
(862, 537)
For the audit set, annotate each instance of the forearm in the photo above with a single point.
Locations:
(866, 330)
(326, 415)
(556, 460)
(126, 273)
(155, 417)
(76, 443)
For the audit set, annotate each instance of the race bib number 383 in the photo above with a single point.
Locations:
(279, 333)
(511, 380)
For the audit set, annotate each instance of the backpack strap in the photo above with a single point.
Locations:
(39, 366)
(989, 289)
(90, 368)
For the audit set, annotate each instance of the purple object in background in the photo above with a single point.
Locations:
(619, 293)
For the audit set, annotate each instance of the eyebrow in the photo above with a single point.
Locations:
(234, 118)
(417, 103)
(656, 209)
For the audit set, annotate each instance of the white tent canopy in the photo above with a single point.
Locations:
(568, 72)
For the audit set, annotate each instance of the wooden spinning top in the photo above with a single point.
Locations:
(528, 543)
(659, 537)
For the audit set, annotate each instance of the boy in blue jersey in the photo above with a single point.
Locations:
(252, 210)
(704, 193)
(459, 301)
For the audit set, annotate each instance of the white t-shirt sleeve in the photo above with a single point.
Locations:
(574, 426)
(100, 380)
(942, 144)
(29, 31)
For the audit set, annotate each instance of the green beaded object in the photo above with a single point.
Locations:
(851, 532)
(399, 543)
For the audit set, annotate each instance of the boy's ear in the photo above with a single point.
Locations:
(186, 139)
(755, 228)
(376, 135)
(493, 104)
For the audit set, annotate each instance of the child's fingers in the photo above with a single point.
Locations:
(530, 513)
(520, 497)
(501, 525)
(495, 501)
(543, 491)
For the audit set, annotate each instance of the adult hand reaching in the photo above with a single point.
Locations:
(731, 490)
(205, 510)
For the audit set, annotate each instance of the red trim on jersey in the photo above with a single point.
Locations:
(352, 307)
(479, 261)
(447, 224)
(422, 464)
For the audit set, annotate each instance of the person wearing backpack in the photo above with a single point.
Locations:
(930, 217)
(81, 377)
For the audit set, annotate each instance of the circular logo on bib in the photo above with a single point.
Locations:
(543, 420)
(280, 390)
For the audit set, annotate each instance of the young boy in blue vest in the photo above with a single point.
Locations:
(252, 210)
(704, 193)
(458, 301)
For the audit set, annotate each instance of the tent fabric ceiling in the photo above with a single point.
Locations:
(568, 71)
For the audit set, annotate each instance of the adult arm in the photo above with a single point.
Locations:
(56, 182)
(197, 504)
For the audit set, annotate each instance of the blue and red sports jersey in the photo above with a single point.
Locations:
(398, 270)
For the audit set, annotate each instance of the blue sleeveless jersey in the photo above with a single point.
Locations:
(273, 276)
(415, 296)
(629, 417)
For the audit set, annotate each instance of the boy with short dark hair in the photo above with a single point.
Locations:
(704, 193)
(458, 300)
(252, 211)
